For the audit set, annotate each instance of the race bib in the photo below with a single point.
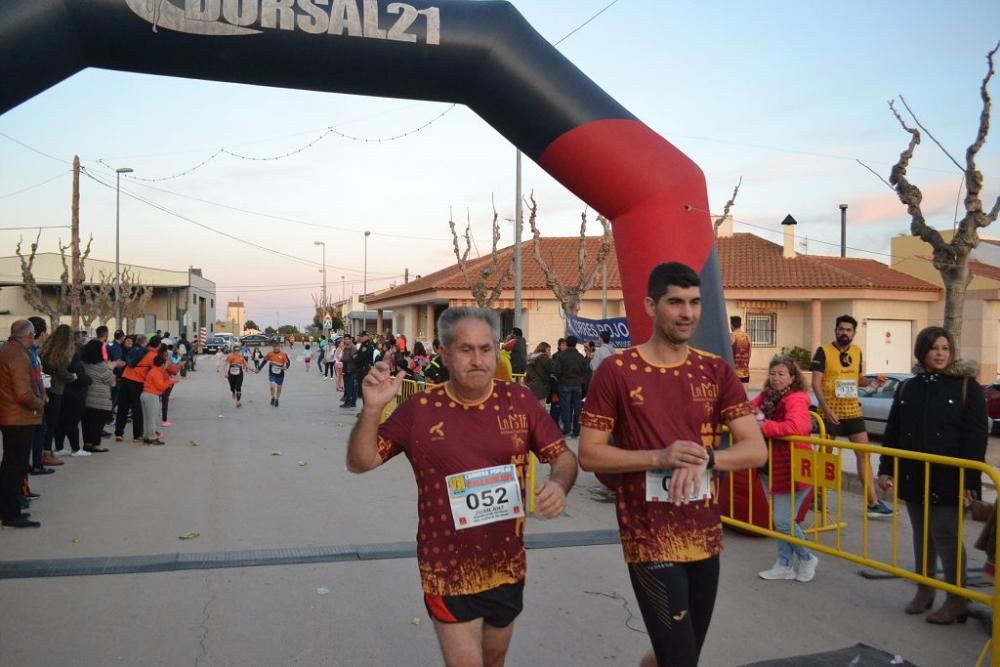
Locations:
(846, 389)
(235, 369)
(658, 486)
(277, 369)
(484, 496)
(46, 380)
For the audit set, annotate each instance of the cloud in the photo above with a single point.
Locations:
(938, 204)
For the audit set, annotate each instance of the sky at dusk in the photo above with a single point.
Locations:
(786, 95)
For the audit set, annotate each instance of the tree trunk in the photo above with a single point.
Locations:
(956, 281)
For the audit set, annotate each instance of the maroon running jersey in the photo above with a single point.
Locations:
(647, 406)
(454, 446)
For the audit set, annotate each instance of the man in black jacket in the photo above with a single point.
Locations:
(570, 369)
(364, 360)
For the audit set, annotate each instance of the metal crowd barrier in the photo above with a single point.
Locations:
(820, 467)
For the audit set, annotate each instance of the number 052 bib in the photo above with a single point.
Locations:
(658, 486)
(484, 496)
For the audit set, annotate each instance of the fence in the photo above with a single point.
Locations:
(820, 467)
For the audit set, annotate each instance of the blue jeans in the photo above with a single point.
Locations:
(570, 401)
(781, 508)
(350, 388)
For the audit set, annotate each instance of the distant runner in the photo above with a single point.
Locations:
(277, 363)
(236, 367)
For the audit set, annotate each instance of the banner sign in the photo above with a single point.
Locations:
(585, 329)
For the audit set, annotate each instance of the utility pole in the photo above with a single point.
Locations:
(118, 273)
(76, 280)
(517, 244)
(323, 271)
(604, 290)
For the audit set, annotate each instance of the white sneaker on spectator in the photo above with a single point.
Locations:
(80, 452)
(778, 572)
(62, 452)
(805, 570)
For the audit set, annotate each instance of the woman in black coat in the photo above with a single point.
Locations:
(941, 410)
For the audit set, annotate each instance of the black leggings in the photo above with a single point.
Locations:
(329, 369)
(236, 385)
(676, 601)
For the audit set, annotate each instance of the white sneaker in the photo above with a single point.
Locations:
(805, 570)
(778, 572)
(80, 452)
(62, 452)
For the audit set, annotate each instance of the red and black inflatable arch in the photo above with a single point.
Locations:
(482, 54)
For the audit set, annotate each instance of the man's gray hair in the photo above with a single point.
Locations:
(22, 329)
(450, 318)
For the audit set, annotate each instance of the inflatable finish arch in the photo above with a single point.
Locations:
(479, 53)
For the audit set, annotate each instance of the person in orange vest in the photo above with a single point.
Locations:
(157, 381)
(277, 363)
(137, 365)
(236, 367)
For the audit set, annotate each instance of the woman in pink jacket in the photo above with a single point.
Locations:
(783, 410)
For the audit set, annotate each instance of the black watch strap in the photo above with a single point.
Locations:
(711, 458)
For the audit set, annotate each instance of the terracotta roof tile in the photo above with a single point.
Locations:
(747, 262)
(984, 270)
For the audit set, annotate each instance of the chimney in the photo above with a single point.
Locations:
(789, 224)
(843, 230)
(406, 276)
(725, 230)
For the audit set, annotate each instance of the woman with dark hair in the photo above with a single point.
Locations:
(97, 405)
(537, 373)
(57, 354)
(782, 410)
(73, 405)
(418, 361)
(941, 410)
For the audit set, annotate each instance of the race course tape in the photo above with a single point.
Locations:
(175, 562)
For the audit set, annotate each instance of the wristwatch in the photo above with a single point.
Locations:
(711, 458)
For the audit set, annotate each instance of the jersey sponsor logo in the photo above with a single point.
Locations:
(513, 423)
(437, 431)
(704, 391)
(370, 19)
(636, 396)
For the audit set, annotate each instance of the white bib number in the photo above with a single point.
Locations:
(46, 380)
(484, 496)
(235, 369)
(846, 389)
(277, 369)
(658, 486)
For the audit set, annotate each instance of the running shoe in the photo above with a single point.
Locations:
(80, 453)
(879, 510)
(778, 572)
(239, 405)
(167, 423)
(805, 570)
(62, 452)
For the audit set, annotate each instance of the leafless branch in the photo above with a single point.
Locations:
(877, 175)
(994, 212)
(928, 133)
(728, 207)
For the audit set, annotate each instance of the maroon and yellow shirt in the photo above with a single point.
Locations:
(648, 407)
(741, 353)
(442, 436)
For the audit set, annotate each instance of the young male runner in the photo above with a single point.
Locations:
(468, 442)
(665, 403)
(236, 366)
(277, 363)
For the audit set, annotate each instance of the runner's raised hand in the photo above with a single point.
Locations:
(380, 385)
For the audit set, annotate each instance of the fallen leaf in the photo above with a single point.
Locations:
(189, 536)
(75, 540)
(322, 590)
(194, 444)
(416, 620)
(303, 464)
(220, 416)
(276, 453)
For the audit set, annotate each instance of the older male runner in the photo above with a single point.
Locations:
(665, 403)
(468, 442)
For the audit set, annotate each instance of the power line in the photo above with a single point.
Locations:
(10, 229)
(32, 148)
(584, 24)
(213, 229)
(36, 185)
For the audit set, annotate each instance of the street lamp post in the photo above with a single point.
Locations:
(364, 289)
(323, 243)
(118, 273)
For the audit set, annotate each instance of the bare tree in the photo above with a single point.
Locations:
(97, 300)
(725, 211)
(570, 295)
(484, 295)
(33, 292)
(134, 296)
(951, 259)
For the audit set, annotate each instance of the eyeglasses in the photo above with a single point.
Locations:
(845, 359)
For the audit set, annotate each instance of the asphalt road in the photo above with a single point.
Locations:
(272, 478)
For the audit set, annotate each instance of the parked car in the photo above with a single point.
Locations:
(215, 343)
(254, 340)
(992, 392)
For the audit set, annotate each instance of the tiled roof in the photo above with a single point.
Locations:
(747, 262)
(750, 262)
(984, 270)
